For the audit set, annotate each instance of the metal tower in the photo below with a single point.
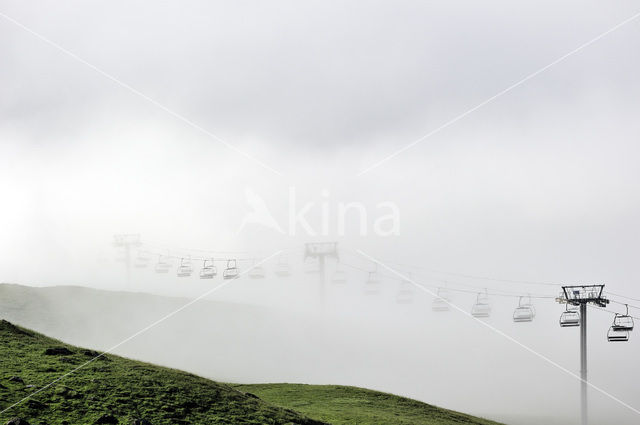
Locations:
(581, 296)
(127, 241)
(320, 251)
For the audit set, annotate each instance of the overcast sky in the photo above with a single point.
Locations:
(542, 183)
(320, 91)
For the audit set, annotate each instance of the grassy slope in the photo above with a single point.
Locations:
(130, 389)
(112, 385)
(348, 405)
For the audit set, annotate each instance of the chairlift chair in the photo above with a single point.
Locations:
(569, 318)
(184, 269)
(623, 322)
(481, 308)
(257, 272)
(372, 284)
(523, 314)
(282, 270)
(232, 271)
(405, 292)
(616, 335)
(441, 301)
(525, 311)
(439, 304)
(209, 270)
(162, 266)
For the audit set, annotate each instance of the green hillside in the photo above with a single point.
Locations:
(115, 390)
(342, 405)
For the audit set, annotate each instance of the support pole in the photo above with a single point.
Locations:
(320, 251)
(583, 364)
(582, 296)
(127, 241)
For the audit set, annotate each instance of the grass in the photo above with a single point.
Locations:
(129, 390)
(357, 406)
(115, 387)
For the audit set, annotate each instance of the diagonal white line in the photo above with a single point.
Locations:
(497, 95)
(154, 102)
(141, 331)
(499, 332)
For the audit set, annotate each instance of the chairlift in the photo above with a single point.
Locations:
(523, 314)
(570, 318)
(163, 265)
(282, 270)
(617, 335)
(481, 308)
(405, 292)
(372, 284)
(441, 301)
(623, 322)
(232, 271)
(184, 269)
(257, 272)
(209, 270)
(525, 301)
(525, 311)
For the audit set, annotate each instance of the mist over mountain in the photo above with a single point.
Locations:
(486, 147)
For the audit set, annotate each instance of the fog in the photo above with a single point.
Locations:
(282, 105)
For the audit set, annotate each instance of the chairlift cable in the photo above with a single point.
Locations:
(527, 282)
(499, 293)
(622, 296)
(611, 311)
(218, 256)
(474, 287)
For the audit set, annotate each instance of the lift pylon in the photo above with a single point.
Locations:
(580, 296)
